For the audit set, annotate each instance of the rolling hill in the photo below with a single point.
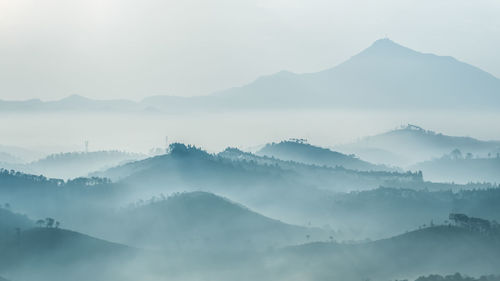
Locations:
(11, 222)
(57, 254)
(412, 144)
(300, 151)
(439, 249)
(79, 164)
(204, 221)
(282, 189)
(462, 170)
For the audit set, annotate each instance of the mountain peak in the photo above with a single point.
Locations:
(75, 98)
(386, 46)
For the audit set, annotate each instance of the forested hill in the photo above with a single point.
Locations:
(204, 221)
(80, 164)
(461, 167)
(437, 249)
(411, 144)
(300, 151)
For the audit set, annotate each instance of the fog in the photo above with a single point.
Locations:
(300, 140)
(57, 132)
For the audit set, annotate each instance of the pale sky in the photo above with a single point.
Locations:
(131, 49)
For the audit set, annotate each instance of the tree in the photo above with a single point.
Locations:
(49, 222)
(456, 154)
(40, 223)
(57, 224)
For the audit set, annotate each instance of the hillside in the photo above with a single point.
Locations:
(11, 222)
(461, 170)
(440, 249)
(384, 212)
(283, 190)
(204, 221)
(82, 198)
(57, 254)
(79, 164)
(414, 144)
(300, 151)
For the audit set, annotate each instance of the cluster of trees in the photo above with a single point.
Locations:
(11, 175)
(48, 222)
(475, 224)
(456, 154)
(456, 277)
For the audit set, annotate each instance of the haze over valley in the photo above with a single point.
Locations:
(249, 140)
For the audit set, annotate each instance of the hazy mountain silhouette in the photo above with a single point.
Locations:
(71, 103)
(385, 75)
(414, 144)
(301, 151)
(204, 221)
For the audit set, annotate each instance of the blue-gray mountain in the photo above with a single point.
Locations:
(384, 76)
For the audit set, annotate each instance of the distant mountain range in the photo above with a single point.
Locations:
(411, 144)
(384, 76)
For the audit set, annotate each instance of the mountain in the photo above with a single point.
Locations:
(386, 75)
(300, 151)
(414, 144)
(79, 164)
(71, 103)
(439, 249)
(201, 220)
